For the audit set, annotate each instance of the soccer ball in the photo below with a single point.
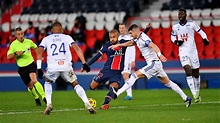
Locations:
(92, 102)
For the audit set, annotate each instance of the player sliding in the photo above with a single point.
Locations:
(154, 67)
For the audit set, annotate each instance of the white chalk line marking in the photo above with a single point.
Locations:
(119, 107)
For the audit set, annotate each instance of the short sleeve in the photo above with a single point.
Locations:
(43, 43)
(33, 45)
(11, 49)
(70, 40)
(173, 32)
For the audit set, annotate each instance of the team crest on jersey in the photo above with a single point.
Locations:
(60, 62)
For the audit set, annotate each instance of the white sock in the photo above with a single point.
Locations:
(48, 92)
(191, 84)
(177, 89)
(129, 90)
(82, 94)
(197, 83)
(127, 84)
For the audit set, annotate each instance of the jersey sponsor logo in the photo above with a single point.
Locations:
(60, 62)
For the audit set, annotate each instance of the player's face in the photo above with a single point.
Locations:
(113, 38)
(20, 35)
(122, 29)
(134, 33)
(182, 15)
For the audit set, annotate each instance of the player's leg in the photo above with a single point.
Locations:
(26, 79)
(167, 82)
(71, 77)
(93, 85)
(50, 77)
(110, 95)
(134, 76)
(37, 85)
(129, 90)
(196, 78)
(186, 63)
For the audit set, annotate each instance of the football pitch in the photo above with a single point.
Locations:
(148, 106)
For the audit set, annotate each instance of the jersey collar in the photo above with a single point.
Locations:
(182, 24)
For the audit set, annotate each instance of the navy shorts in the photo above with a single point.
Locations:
(108, 75)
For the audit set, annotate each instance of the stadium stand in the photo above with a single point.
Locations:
(104, 15)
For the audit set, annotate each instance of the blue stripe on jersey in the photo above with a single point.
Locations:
(41, 46)
(147, 42)
(72, 43)
(150, 67)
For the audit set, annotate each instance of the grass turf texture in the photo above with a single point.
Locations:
(152, 106)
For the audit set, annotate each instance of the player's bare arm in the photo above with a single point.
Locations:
(79, 53)
(157, 50)
(17, 53)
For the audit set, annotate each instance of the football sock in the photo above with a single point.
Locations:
(177, 89)
(48, 92)
(197, 85)
(82, 94)
(191, 84)
(33, 92)
(129, 90)
(39, 89)
(127, 84)
(109, 96)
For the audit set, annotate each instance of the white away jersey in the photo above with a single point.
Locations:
(130, 51)
(186, 34)
(148, 53)
(58, 51)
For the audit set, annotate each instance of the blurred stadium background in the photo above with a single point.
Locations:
(88, 22)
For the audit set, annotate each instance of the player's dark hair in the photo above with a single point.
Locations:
(18, 29)
(133, 26)
(122, 23)
(56, 24)
(183, 10)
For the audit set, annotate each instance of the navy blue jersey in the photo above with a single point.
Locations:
(115, 57)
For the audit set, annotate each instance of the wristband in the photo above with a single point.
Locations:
(159, 54)
(39, 64)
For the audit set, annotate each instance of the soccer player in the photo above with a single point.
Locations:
(129, 62)
(20, 49)
(59, 63)
(112, 68)
(184, 31)
(154, 67)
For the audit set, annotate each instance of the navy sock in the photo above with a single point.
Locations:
(110, 95)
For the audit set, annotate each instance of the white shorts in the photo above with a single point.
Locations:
(190, 59)
(68, 76)
(127, 68)
(155, 68)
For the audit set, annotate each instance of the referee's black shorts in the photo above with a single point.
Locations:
(24, 72)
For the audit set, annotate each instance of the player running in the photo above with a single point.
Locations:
(112, 68)
(184, 31)
(59, 63)
(154, 67)
(20, 49)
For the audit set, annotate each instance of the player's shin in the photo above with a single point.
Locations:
(82, 94)
(197, 85)
(48, 92)
(39, 89)
(110, 95)
(191, 85)
(177, 89)
(33, 92)
(128, 84)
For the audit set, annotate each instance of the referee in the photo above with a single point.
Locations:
(20, 49)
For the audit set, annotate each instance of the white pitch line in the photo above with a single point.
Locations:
(119, 107)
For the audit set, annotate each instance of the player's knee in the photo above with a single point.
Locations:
(134, 75)
(74, 84)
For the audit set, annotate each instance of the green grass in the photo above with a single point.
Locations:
(148, 106)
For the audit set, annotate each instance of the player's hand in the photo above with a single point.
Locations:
(85, 67)
(163, 58)
(205, 41)
(148, 25)
(40, 73)
(18, 53)
(178, 42)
